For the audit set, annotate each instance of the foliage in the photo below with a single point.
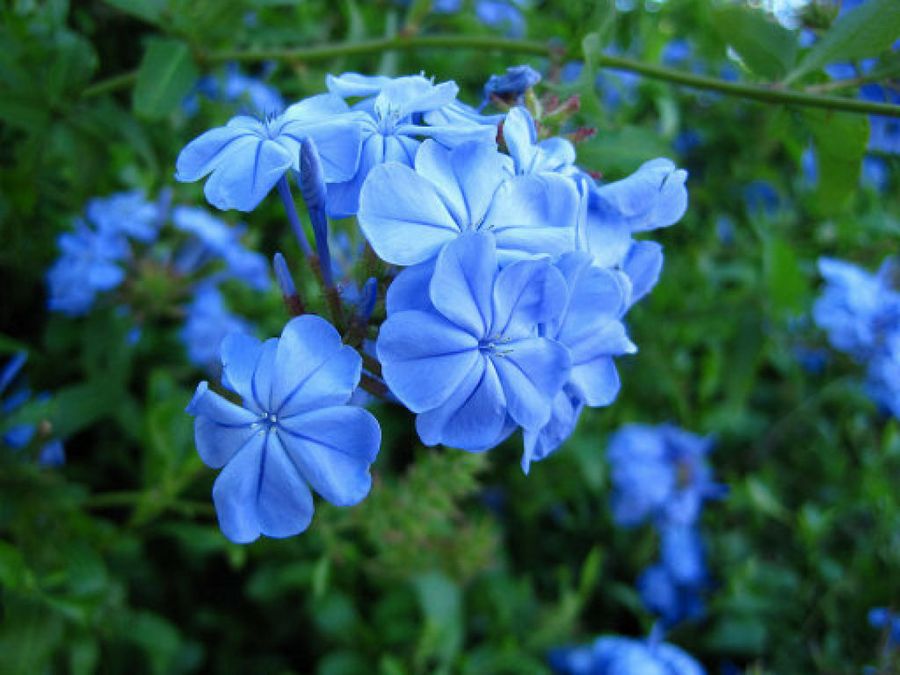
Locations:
(457, 562)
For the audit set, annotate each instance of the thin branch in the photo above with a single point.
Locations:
(766, 94)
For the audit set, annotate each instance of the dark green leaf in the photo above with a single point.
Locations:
(768, 49)
(165, 77)
(840, 145)
(865, 31)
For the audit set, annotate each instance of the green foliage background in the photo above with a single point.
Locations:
(456, 563)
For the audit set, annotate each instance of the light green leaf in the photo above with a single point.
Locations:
(865, 31)
(840, 145)
(165, 77)
(767, 48)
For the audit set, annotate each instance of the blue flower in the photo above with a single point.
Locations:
(615, 655)
(127, 213)
(505, 14)
(761, 199)
(293, 430)
(858, 309)
(17, 436)
(220, 240)
(409, 215)
(677, 52)
(884, 619)
(208, 323)
(247, 157)
(468, 359)
(590, 327)
(88, 265)
(513, 84)
(659, 473)
(883, 375)
(672, 589)
(390, 120)
(652, 197)
(530, 156)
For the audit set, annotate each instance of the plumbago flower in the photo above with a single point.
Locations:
(615, 655)
(247, 157)
(391, 121)
(470, 360)
(293, 430)
(409, 214)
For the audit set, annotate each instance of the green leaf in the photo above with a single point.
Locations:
(148, 10)
(165, 77)
(786, 282)
(767, 48)
(866, 31)
(618, 152)
(441, 602)
(840, 145)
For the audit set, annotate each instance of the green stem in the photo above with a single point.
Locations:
(766, 94)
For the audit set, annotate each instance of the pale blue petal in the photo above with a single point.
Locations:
(402, 215)
(473, 417)
(343, 198)
(403, 96)
(236, 491)
(353, 84)
(240, 353)
(462, 282)
(264, 375)
(424, 358)
(452, 136)
(466, 177)
(596, 381)
(526, 293)
(539, 444)
(248, 176)
(643, 265)
(409, 289)
(284, 504)
(314, 109)
(338, 140)
(532, 372)
(212, 149)
(521, 137)
(333, 448)
(534, 215)
(313, 367)
(221, 428)
(653, 196)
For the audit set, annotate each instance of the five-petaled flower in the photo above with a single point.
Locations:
(293, 431)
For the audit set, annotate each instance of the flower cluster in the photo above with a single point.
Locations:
(118, 245)
(860, 312)
(518, 268)
(17, 435)
(660, 475)
(614, 655)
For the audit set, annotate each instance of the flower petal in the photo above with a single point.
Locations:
(532, 372)
(333, 448)
(402, 215)
(240, 353)
(424, 358)
(473, 418)
(533, 215)
(526, 293)
(409, 289)
(248, 176)
(463, 279)
(236, 490)
(643, 265)
(221, 428)
(284, 502)
(313, 368)
(211, 149)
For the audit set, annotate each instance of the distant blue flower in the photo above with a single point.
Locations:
(660, 474)
(219, 240)
(505, 14)
(247, 157)
(391, 122)
(127, 213)
(810, 165)
(686, 141)
(88, 264)
(761, 198)
(677, 52)
(468, 359)
(409, 215)
(875, 173)
(883, 374)
(530, 156)
(590, 327)
(672, 589)
(17, 436)
(884, 619)
(264, 98)
(858, 309)
(513, 84)
(208, 323)
(614, 655)
(293, 430)
(725, 230)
